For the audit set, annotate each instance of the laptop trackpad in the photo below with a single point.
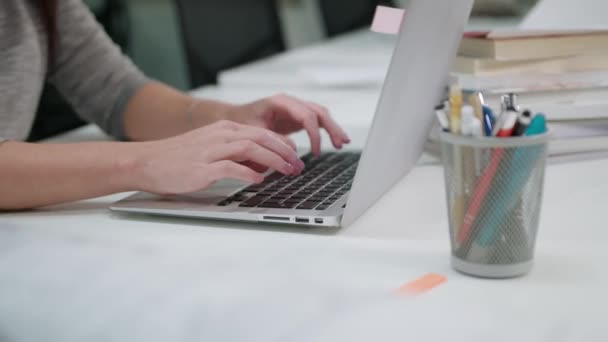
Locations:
(209, 196)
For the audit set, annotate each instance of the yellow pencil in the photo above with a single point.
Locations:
(456, 128)
(455, 109)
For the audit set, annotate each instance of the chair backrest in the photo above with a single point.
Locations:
(222, 34)
(341, 16)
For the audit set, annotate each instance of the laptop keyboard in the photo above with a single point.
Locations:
(323, 181)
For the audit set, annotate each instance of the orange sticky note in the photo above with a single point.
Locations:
(388, 20)
(424, 284)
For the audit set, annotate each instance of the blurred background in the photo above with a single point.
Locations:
(185, 43)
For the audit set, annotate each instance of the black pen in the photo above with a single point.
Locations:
(523, 121)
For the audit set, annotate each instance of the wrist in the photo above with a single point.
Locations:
(131, 166)
(206, 112)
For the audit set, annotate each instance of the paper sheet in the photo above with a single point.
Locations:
(388, 20)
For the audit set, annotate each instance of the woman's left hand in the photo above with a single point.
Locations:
(284, 114)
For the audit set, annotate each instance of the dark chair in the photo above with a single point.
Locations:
(342, 16)
(54, 115)
(222, 34)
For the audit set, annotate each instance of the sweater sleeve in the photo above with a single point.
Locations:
(90, 71)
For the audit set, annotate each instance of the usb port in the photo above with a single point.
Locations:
(302, 220)
(318, 220)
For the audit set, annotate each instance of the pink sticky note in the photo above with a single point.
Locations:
(388, 20)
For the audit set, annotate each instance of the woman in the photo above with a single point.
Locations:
(178, 144)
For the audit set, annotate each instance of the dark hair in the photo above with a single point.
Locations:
(48, 9)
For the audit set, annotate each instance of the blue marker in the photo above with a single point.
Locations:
(488, 120)
(538, 125)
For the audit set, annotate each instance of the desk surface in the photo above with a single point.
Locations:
(77, 272)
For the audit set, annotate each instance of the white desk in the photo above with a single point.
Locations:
(77, 272)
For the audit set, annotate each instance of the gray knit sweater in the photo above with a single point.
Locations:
(89, 70)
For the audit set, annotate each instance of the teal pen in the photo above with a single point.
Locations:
(522, 164)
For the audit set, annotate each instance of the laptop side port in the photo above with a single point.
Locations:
(318, 220)
(302, 220)
(276, 218)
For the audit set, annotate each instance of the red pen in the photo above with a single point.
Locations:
(483, 186)
(481, 190)
(508, 124)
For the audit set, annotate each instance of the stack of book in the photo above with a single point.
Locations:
(563, 74)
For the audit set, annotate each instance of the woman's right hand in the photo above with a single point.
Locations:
(195, 160)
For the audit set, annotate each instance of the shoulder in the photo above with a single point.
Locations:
(69, 10)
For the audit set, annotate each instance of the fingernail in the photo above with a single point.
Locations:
(297, 164)
(288, 169)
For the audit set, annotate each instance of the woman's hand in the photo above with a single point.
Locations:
(225, 149)
(285, 115)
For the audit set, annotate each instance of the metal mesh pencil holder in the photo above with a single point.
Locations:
(494, 192)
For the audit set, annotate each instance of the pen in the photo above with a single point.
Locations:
(455, 108)
(488, 120)
(456, 128)
(479, 194)
(470, 127)
(522, 163)
(468, 117)
(476, 100)
(499, 123)
(511, 102)
(523, 121)
(503, 128)
(442, 117)
(509, 121)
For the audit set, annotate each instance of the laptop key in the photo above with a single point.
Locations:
(317, 198)
(224, 202)
(272, 177)
(308, 205)
(253, 201)
(272, 205)
(289, 205)
(238, 198)
(252, 188)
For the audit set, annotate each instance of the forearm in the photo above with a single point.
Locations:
(35, 175)
(158, 111)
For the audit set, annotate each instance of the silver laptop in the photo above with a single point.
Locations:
(337, 187)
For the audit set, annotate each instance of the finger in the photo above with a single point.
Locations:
(255, 166)
(228, 169)
(271, 141)
(311, 125)
(247, 150)
(337, 134)
(305, 116)
(289, 142)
